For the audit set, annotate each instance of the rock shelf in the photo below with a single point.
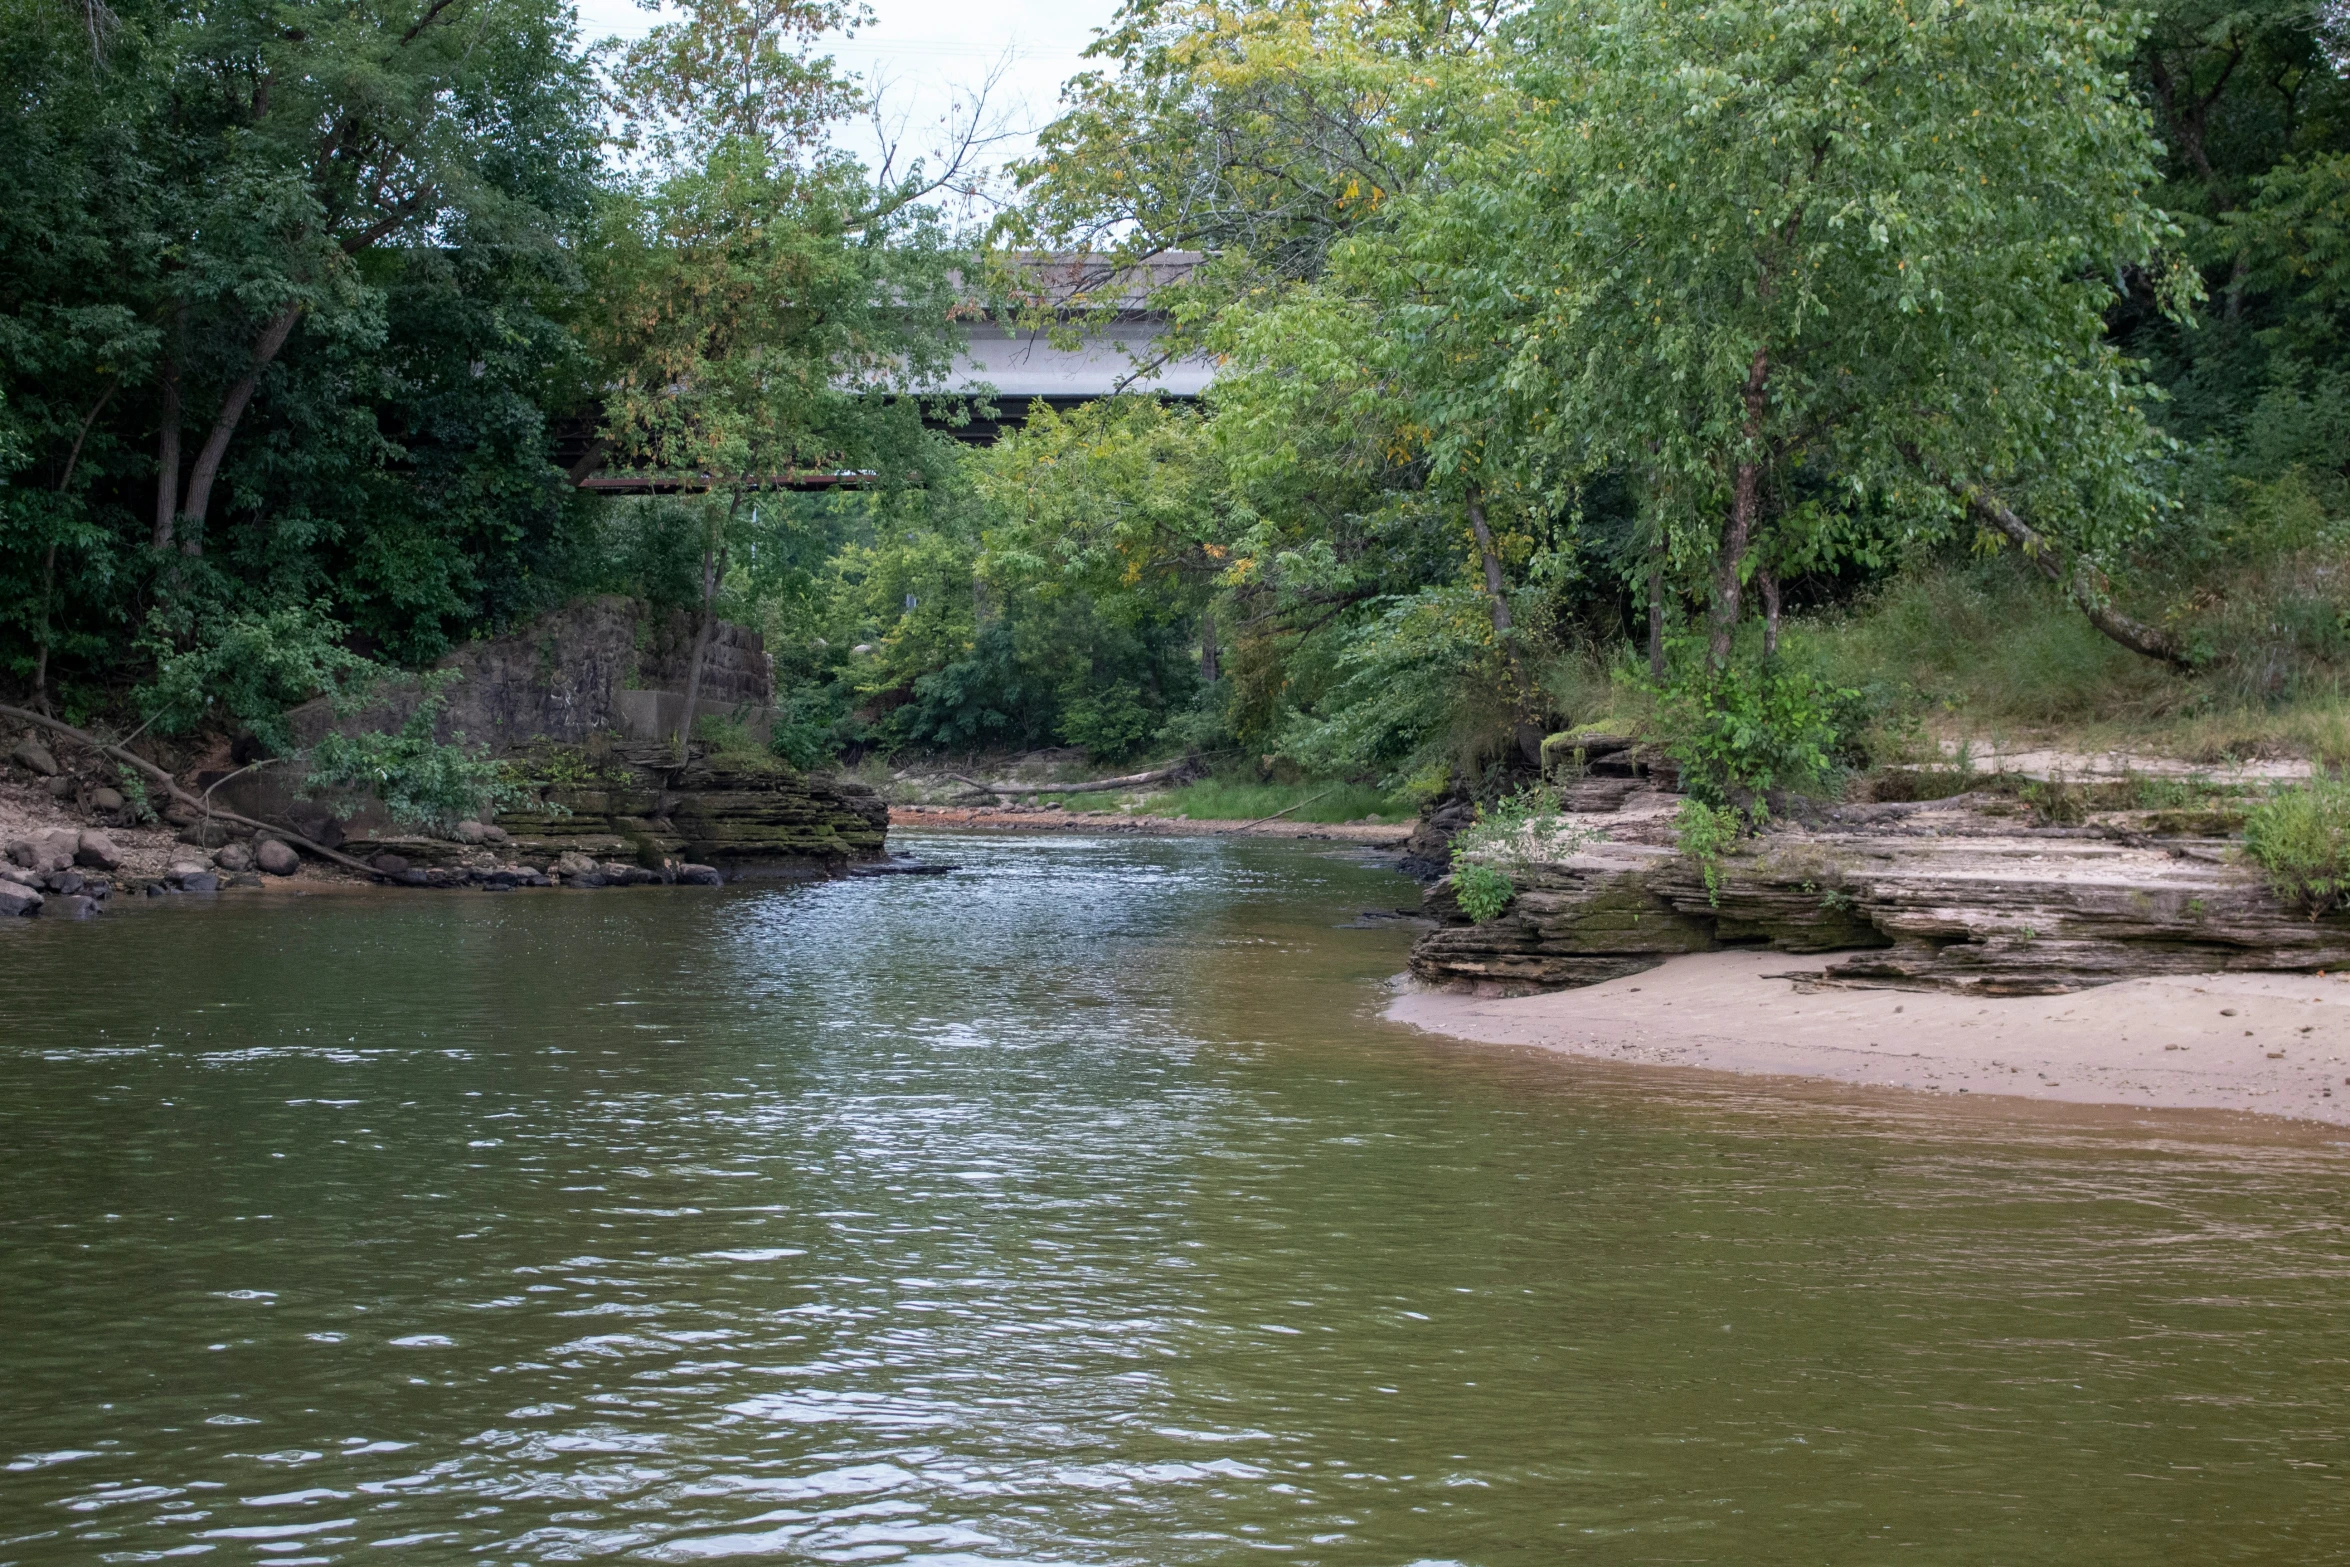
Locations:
(1955, 895)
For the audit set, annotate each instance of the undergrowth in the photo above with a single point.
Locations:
(1226, 800)
(2301, 839)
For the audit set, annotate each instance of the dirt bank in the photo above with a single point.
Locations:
(2275, 1044)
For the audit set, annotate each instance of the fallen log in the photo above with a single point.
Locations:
(171, 786)
(1097, 786)
(1285, 810)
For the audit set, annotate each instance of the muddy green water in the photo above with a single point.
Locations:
(1077, 1209)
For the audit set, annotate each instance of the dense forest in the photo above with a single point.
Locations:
(1786, 381)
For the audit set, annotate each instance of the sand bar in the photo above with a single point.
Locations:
(2274, 1044)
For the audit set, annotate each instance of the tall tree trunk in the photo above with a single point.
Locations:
(1656, 619)
(41, 657)
(1211, 663)
(1768, 580)
(1738, 536)
(1523, 726)
(224, 425)
(589, 461)
(167, 456)
(713, 573)
(73, 460)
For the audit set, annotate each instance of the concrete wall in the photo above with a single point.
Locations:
(597, 664)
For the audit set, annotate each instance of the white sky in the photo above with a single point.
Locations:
(929, 52)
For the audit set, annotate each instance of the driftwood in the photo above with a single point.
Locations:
(1098, 786)
(1285, 810)
(171, 786)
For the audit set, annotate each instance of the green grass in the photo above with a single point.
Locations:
(1224, 801)
(2301, 838)
(1986, 651)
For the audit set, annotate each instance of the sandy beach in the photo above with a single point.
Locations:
(2273, 1044)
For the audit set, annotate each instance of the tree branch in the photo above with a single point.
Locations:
(2083, 582)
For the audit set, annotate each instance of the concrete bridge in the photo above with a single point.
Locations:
(1013, 367)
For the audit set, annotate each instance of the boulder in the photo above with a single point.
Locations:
(50, 850)
(200, 881)
(33, 756)
(18, 900)
(573, 863)
(72, 906)
(700, 876)
(276, 857)
(479, 832)
(94, 849)
(107, 800)
(234, 858)
(316, 823)
(63, 881)
(11, 871)
(60, 787)
(184, 867)
(390, 864)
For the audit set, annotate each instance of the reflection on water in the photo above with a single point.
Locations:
(1076, 1208)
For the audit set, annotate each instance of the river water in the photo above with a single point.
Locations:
(1078, 1208)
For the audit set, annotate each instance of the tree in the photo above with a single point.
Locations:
(764, 308)
(299, 266)
(1754, 252)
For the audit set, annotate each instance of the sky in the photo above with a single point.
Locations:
(927, 52)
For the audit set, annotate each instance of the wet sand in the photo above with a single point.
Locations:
(2273, 1044)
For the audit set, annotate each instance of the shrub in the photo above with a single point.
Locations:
(1508, 839)
(250, 669)
(1754, 727)
(422, 782)
(1482, 891)
(1705, 834)
(2301, 839)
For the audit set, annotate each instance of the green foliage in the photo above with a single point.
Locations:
(1708, 832)
(1510, 837)
(1757, 726)
(2301, 839)
(1227, 800)
(246, 670)
(1482, 892)
(1415, 682)
(421, 781)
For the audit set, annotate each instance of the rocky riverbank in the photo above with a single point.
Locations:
(608, 814)
(1968, 894)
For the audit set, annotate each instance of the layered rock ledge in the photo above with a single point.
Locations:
(1960, 895)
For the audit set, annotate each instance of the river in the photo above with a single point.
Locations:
(1078, 1208)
